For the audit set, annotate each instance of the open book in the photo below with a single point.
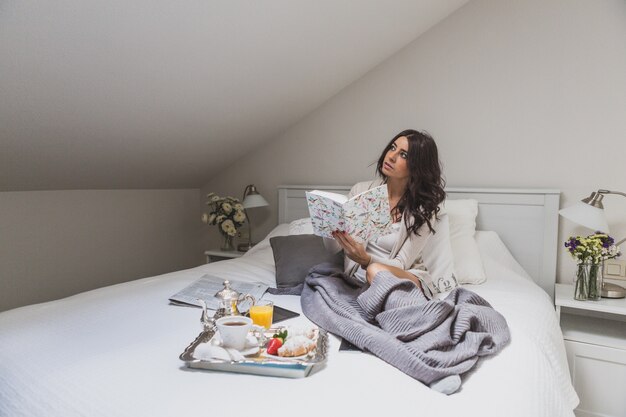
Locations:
(365, 216)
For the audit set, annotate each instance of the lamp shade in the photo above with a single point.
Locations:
(254, 200)
(586, 215)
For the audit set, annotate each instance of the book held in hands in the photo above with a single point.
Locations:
(365, 216)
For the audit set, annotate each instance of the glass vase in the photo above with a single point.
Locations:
(588, 281)
(227, 243)
(595, 282)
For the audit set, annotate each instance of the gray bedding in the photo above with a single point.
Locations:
(433, 341)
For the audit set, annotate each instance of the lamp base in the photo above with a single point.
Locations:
(612, 291)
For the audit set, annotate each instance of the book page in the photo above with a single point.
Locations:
(339, 198)
(207, 286)
(367, 215)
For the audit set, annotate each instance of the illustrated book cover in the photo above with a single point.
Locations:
(365, 216)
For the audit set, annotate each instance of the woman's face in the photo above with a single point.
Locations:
(395, 164)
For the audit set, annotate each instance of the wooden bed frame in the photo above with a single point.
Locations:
(525, 219)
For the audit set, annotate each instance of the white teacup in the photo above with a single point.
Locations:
(234, 330)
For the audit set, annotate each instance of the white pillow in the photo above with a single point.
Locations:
(438, 257)
(301, 227)
(279, 230)
(467, 263)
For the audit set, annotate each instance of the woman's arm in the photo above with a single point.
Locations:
(406, 256)
(352, 249)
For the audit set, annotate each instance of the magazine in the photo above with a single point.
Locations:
(207, 286)
(365, 216)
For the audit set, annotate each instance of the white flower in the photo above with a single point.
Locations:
(239, 216)
(229, 228)
(225, 212)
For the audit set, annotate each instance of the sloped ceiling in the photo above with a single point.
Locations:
(162, 94)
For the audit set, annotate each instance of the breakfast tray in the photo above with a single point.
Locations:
(259, 364)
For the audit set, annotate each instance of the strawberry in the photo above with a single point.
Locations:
(273, 345)
(281, 335)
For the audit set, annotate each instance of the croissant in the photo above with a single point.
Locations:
(296, 346)
(310, 332)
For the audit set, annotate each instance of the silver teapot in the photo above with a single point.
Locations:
(229, 300)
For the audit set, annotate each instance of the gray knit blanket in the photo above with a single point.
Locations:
(430, 340)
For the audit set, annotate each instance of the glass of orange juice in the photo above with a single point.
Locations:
(262, 313)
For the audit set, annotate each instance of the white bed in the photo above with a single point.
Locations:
(114, 351)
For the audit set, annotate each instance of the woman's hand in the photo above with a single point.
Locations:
(352, 248)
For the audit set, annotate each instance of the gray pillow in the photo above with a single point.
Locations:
(295, 255)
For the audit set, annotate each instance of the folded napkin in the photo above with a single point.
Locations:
(213, 349)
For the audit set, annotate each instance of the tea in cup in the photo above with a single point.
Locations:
(262, 313)
(234, 331)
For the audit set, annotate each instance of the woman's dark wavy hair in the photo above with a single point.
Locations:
(424, 191)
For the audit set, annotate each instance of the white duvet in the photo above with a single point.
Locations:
(114, 352)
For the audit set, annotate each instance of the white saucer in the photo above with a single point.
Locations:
(252, 344)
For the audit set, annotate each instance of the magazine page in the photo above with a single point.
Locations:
(207, 286)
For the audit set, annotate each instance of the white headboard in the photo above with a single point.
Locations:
(525, 219)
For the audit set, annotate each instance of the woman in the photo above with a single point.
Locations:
(410, 167)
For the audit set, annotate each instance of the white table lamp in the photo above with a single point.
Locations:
(589, 212)
(251, 199)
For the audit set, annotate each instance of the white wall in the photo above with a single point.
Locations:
(517, 94)
(57, 243)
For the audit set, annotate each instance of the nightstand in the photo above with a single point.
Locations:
(594, 333)
(215, 255)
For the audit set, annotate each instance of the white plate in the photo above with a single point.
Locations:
(285, 358)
